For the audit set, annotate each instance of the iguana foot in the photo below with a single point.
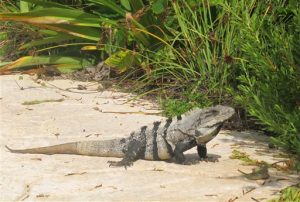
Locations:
(131, 154)
(209, 159)
(191, 162)
(120, 163)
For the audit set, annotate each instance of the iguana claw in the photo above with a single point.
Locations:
(120, 164)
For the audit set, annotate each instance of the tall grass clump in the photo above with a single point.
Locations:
(269, 82)
(13, 35)
(243, 53)
(196, 58)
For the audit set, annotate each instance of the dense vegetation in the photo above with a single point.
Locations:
(191, 53)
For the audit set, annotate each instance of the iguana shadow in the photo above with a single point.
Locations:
(193, 158)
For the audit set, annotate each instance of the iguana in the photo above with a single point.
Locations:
(161, 140)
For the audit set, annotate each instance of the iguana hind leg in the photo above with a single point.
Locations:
(182, 147)
(131, 154)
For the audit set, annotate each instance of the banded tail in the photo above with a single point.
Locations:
(105, 148)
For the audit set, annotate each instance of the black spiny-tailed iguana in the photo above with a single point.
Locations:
(161, 140)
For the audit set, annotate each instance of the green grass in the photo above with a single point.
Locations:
(242, 53)
(242, 156)
(192, 53)
(289, 194)
(187, 101)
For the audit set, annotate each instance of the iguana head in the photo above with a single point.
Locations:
(205, 124)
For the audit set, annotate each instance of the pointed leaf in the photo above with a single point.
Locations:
(48, 40)
(54, 16)
(159, 6)
(82, 32)
(47, 4)
(62, 62)
(87, 48)
(24, 6)
(125, 4)
(110, 4)
(122, 60)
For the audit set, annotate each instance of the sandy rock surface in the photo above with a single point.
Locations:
(91, 115)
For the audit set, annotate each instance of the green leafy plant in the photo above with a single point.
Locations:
(41, 39)
(193, 53)
(269, 81)
(187, 101)
(196, 56)
(104, 24)
(291, 193)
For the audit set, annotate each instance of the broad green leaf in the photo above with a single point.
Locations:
(121, 37)
(110, 4)
(47, 32)
(63, 63)
(88, 48)
(54, 16)
(125, 4)
(48, 40)
(159, 6)
(47, 4)
(68, 67)
(24, 6)
(3, 36)
(122, 60)
(217, 2)
(3, 64)
(136, 5)
(82, 32)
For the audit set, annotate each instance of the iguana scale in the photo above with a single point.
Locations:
(161, 140)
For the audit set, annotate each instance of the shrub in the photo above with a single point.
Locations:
(269, 81)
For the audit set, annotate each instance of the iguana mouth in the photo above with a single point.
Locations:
(208, 133)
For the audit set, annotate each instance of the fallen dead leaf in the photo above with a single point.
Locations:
(233, 199)
(210, 195)
(25, 193)
(69, 174)
(248, 190)
(158, 169)
(42, 195)
(96, 108)
(36, 159)
(254, 199)
(113, 187)
(97, 134)
(97, 186)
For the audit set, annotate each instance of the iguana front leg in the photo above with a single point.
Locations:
(182, 147)
(131, 154)
(202, 151)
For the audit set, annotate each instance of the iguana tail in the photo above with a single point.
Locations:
(105, 148)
